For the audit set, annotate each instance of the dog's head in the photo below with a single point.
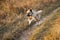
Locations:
(29, 11)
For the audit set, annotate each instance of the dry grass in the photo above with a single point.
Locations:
(12, 13)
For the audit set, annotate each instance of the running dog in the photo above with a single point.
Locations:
(33, 15)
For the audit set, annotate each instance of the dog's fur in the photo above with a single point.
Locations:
(34, 16)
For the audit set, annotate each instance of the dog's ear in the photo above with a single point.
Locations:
(28, 11)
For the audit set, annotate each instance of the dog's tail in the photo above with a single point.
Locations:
(40, 11)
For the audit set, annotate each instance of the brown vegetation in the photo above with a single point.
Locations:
(12, 17)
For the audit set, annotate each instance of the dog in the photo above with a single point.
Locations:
(33, 15)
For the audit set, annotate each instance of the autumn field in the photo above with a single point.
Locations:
(14, 25)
